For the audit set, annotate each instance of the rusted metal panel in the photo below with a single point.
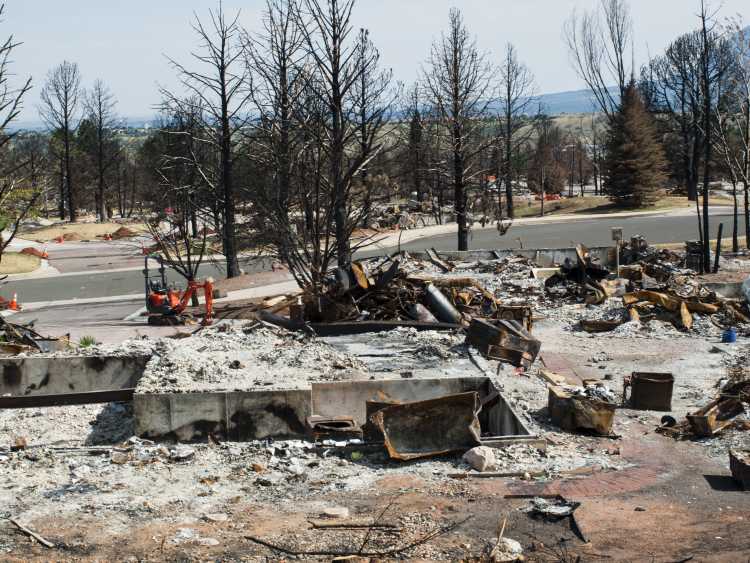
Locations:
(599, 325)
(430, 428)
(650, 391)
(572, 413)
(503, 340)
(739, 463)
(336, 427)
(714, 417)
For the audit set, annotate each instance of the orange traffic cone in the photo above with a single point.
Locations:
(13, 305)
(44, 253)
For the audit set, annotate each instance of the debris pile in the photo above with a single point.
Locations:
(16, 339)
(726, 411)
(653, 286)
(240, 357)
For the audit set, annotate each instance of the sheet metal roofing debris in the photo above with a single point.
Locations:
(576, 410)
(722, 413)
(428, 428)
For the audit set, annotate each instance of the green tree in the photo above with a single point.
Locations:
(634, 163)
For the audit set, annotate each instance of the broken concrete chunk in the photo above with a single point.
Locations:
(216, 517)
(338, 512)
(181, 453)
(507, 551)
(480, 458)
(552, 509)
(208, 542)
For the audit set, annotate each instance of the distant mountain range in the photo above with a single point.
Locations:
(576, 101)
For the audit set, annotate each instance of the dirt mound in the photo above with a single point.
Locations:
(123, 232)
(72, 236)
(34, 252)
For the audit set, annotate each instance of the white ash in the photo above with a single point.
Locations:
(427, 343)
(230, 358)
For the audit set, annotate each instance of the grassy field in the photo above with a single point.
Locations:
(84, 231)
(601, 205)
(16, 263)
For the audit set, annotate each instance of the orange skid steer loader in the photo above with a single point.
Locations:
(165, 305)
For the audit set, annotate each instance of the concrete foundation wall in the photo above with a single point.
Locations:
(238, 415)
(69, 374)
(255, 415)
(349, 398)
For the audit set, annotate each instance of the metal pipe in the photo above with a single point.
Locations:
(439, 305)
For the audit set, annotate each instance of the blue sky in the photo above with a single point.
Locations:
(125, 42)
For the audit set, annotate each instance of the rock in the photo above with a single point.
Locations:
(216, 517)
(208, 542)
(507, 551)
(295, 468)
(184, 534)
(258, 467)
(640, 509)
(480, 458)
(335, 512)
(269, 480)
(19, 443)
(181, 453)
(119, 458)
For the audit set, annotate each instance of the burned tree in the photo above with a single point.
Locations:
(516, 97)
(599, 43)
(99, 106)
(18, 190)
(415, 160)
(370, 109)
(275, 57)
(60, 108)
(458, 86)
(714, 71)
(674, 92)
(339, 69)
(740, 114)
(221, 85)
(177, 163)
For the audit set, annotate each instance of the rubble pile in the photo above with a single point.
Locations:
(231, 357)
(405, 289)
(21, 340)
(727, 411)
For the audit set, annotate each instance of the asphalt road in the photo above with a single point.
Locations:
(592, 232)
(107, 284)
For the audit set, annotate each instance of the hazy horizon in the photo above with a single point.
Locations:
(126, 45)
